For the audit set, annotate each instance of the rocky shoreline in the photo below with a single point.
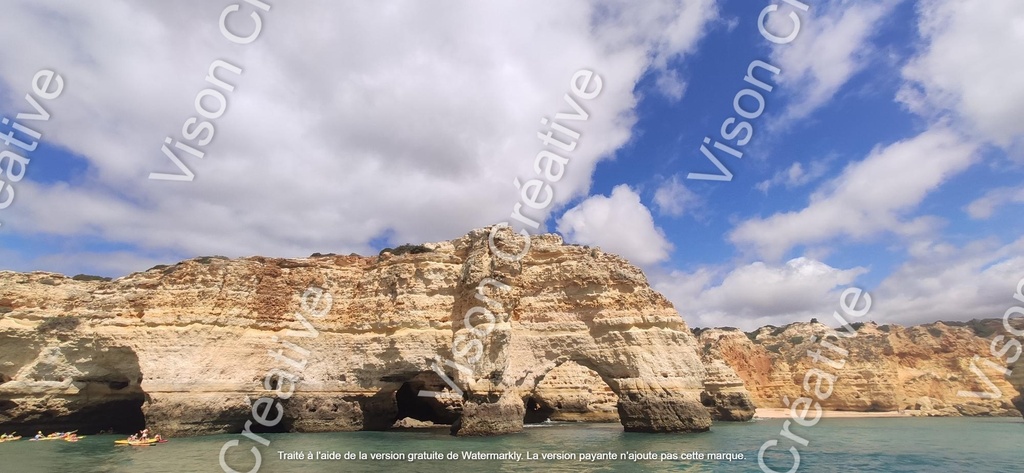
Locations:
(579, 336)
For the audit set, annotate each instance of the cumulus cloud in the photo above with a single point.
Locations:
(756, 294)
(833, 45)
(619, 224)
(969, 67)
(870, 197)
(347, 123)
(674, 199)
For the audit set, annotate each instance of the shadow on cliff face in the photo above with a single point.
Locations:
(399, 400)
(537, 411)
(426, 409)
(82, 385)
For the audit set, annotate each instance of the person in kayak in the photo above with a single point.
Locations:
(39, 435)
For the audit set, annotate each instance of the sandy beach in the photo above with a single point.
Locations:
(780, 413)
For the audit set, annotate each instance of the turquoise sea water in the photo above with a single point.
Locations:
(834, 445)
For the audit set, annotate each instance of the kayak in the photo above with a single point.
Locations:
(136, 443)
(69, 439)
(62, 436)
(11, 439)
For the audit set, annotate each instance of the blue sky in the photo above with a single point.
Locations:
(888, 156)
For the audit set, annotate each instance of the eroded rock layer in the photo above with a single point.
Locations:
(186, 348)
(921, 370)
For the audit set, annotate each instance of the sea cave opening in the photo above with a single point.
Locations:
(423, 408)
(537, 411)
(121, 415)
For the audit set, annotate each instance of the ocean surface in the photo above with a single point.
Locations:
(833, 445)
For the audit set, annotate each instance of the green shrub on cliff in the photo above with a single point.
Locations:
(89, 277)
(406, 248)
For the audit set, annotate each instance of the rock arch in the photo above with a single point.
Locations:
(596, 311)
(572, 392)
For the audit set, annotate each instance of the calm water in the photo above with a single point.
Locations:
(835, 445)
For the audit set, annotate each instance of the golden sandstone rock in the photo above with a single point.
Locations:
(921, 370)
(577, 335)
(187, 348)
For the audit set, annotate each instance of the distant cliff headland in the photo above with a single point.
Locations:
(936, 369)
(435, 334)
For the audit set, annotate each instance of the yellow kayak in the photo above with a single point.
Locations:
(69, 439)
(10, 439)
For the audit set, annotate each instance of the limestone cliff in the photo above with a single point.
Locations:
(724, 394)
(1016, 379)
(918, 370)
(186, 348)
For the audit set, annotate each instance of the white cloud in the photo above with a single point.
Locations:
(671, 85)
(756, 294)
(970, 65)
(945, 282)
(869, 197)
(348, 122)
(674, 199)
(619, 224)
(983, 207)
(794, 176)
(832, 46)
(938, 281)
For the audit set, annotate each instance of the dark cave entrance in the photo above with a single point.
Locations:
(271, 410)
(536, 411)
(120, 416)
(107, 395)
(121, 413)
(427, 409)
